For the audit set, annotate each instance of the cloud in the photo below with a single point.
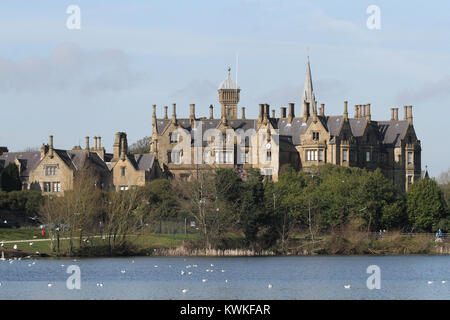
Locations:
(428, 91)
(70, 68)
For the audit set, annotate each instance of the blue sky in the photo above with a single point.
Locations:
(129, 55)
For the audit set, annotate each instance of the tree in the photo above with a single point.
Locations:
(9, 179)
(141, 146)
(444, 184)
(254, 218)
(425, 205)
(200, 199)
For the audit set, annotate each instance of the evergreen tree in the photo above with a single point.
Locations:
(10, 180)
(425, 205)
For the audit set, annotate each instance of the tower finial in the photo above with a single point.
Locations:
(229, 72)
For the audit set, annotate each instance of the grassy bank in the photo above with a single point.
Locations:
(342, 243)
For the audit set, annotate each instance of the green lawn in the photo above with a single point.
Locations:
(43, 247)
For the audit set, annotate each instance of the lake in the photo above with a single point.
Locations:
(316, 277)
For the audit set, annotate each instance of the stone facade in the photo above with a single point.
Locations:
(304, 142)
(54, 171)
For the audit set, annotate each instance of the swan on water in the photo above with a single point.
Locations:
(347, 286)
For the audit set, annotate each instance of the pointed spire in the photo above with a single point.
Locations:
(308, 92)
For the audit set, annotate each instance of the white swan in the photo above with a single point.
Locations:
(269, 286)
(347, 286)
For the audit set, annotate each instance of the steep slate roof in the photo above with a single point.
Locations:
(391, 132)
(143, 161)
(334, 124)
(294, 129)
(28, 160)
(358, 125)
(75, 159)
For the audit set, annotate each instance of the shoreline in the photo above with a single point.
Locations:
(442, 250)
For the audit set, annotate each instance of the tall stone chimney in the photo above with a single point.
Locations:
(174, 112)
(87, 143)
(322, 109)
(392, 114)
(261, 112)
(273, 113)
(266, 111)
(51, 146)
(410, 115)
(211, 112)
(368, 116)
(406, 112)
(192, 107)
(396, 114)
(345, 110)
(165, 112)
(243, 112)
(291, 115)
(283, 112)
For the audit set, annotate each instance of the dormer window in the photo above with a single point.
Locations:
(315, 136)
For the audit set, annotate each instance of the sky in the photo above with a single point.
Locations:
(129, 55)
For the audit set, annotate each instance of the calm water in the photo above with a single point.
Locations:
(324, 277)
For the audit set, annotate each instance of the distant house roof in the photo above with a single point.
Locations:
(28, 160)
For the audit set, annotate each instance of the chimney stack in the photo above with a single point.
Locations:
(291, 112)
(211, 112)
(192, 107)
(95, 143)
(322, 109)
(174, 111)
(396, 114)
(243, 112)
(406, 112)
(165, 112)
(410, 116)
(273, 113)
(261, 111)
(122, 148)
(283, 112)
(267, 111)
(99, 142)
(87, 143)
(356, 110)
(392, 114)
(345, 110)
(51, 146)
(368, 116)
